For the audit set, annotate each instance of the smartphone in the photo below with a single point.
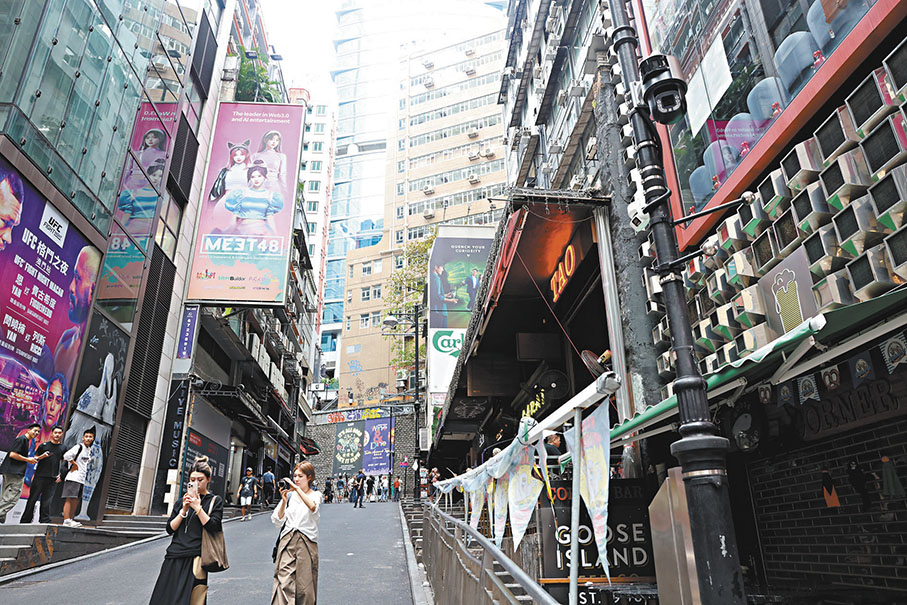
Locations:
(193, 488)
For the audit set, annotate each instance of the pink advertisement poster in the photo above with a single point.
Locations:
(48, 273)
(243, 242)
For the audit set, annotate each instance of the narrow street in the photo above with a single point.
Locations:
(361, 557)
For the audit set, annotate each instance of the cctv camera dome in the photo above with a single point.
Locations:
(664, 88)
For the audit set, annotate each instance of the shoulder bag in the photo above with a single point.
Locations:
(214, 549)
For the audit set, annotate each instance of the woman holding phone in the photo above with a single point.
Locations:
(296, 564)
(182, 581)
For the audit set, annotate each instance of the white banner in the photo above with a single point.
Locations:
(444, 346)
(500, 509)
(523, 493)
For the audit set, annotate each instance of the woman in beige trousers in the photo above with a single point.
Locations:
(296, 564)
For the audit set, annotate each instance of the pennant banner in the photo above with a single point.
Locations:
(831, 377)
(476, 505)
(786, 394)
(500, 509)
(894, 351)
(807, 387)
(522, 493)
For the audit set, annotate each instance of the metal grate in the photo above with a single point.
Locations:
(786, 229)
(185, 151)
(885, 193)
(832, 178)
(846, 222)
(802, 205)
(815, 248)
(864, 101)
(861, 272)
(149, 342)
(126, 459)
(791, 165)
(767, 190)
(880, 146)
(897, 246)
(896, 65)
(204, 55)
(830, 135)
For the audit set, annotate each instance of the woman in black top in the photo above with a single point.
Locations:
(182, 580)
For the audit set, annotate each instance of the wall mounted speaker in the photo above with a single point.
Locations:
(858, 227)
(896, 243)
(870, 275)
(753, 219)
(871, 101)
(889, 198)
(895, 66)
(824, 254)
(775, 193)
(846, 178)
(886, 146)
(740, 269)
(836, 135)
(765, 251)
(833, 291)
(810, 209)
(787, 234)
(801, 166)
(749, 309)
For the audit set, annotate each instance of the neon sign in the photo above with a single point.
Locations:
(566, 267)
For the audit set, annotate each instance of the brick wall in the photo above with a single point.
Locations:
(804, 541)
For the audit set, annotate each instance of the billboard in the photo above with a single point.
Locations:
(245, 223)
(376, 447)
(455, 269)
(348, 448)
(48, 273)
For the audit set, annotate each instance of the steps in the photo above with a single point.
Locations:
(136, 525)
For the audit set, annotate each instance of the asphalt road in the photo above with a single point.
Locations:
(362, 559)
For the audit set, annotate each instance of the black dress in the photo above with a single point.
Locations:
(182, 581)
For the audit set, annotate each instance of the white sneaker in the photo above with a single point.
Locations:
(67, 522)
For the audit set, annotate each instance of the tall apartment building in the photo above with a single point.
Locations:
(368, 45)
(446, 159)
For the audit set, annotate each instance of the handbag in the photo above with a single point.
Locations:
(214, 549)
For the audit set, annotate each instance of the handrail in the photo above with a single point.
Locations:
(532, 588)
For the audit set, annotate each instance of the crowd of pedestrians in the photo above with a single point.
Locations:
(360, 488)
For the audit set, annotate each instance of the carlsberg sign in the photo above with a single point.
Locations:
(442, 356)
(448, 342)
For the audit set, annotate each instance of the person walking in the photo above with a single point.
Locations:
(384, 487)
(248, 489)
(328, 489)
(47, 474)
(360, 489)
(13, 469)
(79, 457)
(396, 489)
(297, 515)
(267, 486)
(182, 581)
(369, 488)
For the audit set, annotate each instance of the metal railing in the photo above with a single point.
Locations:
(458, 575)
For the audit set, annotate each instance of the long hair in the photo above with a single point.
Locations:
(161, 139)
(244, 146)
(268, 135)
(201, 466)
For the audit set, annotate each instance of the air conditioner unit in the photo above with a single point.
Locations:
(626, 135)
(562, 98)
(833, 291)
(894, 65)
(801, 166)
(577, 182)
(577, 89)
(428, 190)
(846, 178)
(469, 70)
(652, 284)
(474, 155)
(291, 309)
(428, 213)
(552, 23)
(889, 198)
(428, 63)
(665, 365)
(896, 243)
(472, 133)
(538, 72)
(871, 101)
(555, 148)
(753, 219)
(870, 274)
(488, 152)
(473, 179)
(740, 269)
(549, 167)
(554, 40)
(810, 209)
(470, 52)
(765, 251)
(755, 338)
(661, 335)
(508, 72)
(731, 235)
(886, 146)
(428, 82)
(647, 251)
(592, 149)
(858, 227)
(749, 309)
(654, 309)
(823, 252)
(775, 194)
(836, 135)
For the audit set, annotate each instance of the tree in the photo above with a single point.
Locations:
(253, 82)
(405, 287)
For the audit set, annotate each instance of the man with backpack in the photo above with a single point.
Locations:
(78, 457)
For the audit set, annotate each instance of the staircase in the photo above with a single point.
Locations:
(136, 525)
(412, 512)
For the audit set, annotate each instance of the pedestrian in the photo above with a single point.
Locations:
(328, 489)
(182, 581)
(369, 488)
(79, 457)
(13, 469)
(296, 563)
(248, 489)
(341, 489)
(360, 489)
(47, 474)
(396, 489)
(267, 486)
(384, 486)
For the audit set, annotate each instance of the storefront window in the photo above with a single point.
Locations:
(121, 277)
(742, 70)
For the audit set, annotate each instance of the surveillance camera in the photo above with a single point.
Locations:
(198, 383)
(638, 218)
(663, 88)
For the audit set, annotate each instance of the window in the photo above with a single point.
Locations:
(400, 189)
(366, 294)
(376, 266)
(308, 128)
(351, 271)
(349, 296)
(376, 291)
(305, 146)
(311, 228)
(400, 212)
(398, 237)
(363, 321)
(366, 268)
(316, 166)
(312, 206)
(318, 146)
(376, 319)
(349, 322)
(398, 262)
(401, 166)
(401, 145)
(169, 226)
(311, 249)
(319, 128)
(314, 185)
(321, 110)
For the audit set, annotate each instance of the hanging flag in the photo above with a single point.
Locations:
(543, 466)
(861, 368)
(765, 393)
(831, 377)
(500, 509)
(476, 505)
(523, 492)
(786, 393)
(594, 474)
(894, 350)
(806, 386)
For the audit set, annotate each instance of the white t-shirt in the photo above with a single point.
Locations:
(82, 461)
(298, 516)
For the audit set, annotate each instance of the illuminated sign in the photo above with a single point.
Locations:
(570, 259)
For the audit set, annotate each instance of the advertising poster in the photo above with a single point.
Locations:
(48, 273)
(376, 447)
(629, 537)
(787, 292)
(174, 423)
(522, 494)
(455, 269)
(348, 448)
(245, 224)
(218, 457)
(121, 276)
(99, 387)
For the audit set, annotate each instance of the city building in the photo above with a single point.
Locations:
(445, 165)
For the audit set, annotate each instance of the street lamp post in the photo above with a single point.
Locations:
(700, 450)
(392, 322)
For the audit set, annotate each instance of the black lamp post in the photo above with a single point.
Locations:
(392, 322)
(701, 451)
